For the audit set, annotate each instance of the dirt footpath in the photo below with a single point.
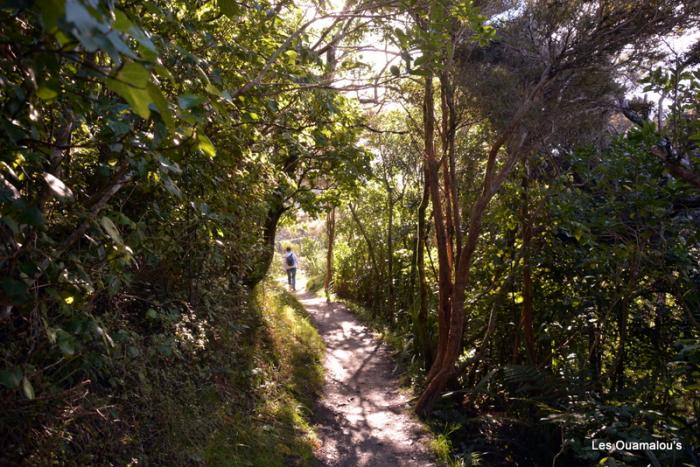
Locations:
(363, 419)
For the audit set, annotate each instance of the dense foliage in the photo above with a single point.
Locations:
(525, 233)
(614, 271)
(147, 151)
(580, 313)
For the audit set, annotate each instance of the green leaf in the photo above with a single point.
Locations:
(170, 185)
(138, 99)
(118, 128)
(169, 166)
(46, 92)
(111, 229)
(121, 21)
(205, 145)
(67, 344)
(230, 8)
(134, 74)
(51, 11)
(211, 89)
(163, 72)
(161, 104)
(251, 117)
(151, 313)
(10, 378)
(92, 29)
(57, 187)
(27, 388)
(291, 56)
(131, 83)
(187, 101)
(420, 72)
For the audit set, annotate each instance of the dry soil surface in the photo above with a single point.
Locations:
(363, 418)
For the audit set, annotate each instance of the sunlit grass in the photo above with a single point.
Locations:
(288, 378)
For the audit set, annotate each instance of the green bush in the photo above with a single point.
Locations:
(216, 391)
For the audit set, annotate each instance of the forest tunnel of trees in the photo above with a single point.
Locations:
(509, 188)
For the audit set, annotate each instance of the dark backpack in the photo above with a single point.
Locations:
(290, 259)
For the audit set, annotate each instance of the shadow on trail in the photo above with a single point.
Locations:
(362, 418)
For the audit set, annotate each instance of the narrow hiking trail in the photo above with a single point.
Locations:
(363, 418)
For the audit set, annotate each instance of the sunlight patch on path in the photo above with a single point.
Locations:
(363, 419)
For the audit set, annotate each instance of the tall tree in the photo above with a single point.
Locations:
(590, 44)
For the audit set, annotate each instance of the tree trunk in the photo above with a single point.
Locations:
(444, 369)
(618, 370)
(370, 248)
(390, 253)
(451, 318)
(422, 317)
(441, 241)
(274, 212)
(449, 134)
(330, 232)
(594, 355)
(262, 263)
(526, 317)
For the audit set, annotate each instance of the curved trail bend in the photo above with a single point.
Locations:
(362, 419)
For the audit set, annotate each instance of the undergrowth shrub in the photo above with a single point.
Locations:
(214, 390)
(286, 378)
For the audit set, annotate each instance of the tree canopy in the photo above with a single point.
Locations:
(498, 189)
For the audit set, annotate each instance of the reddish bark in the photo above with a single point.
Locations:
(451, 313)
(433, 182)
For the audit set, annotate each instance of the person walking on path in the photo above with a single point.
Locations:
(291, 263)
